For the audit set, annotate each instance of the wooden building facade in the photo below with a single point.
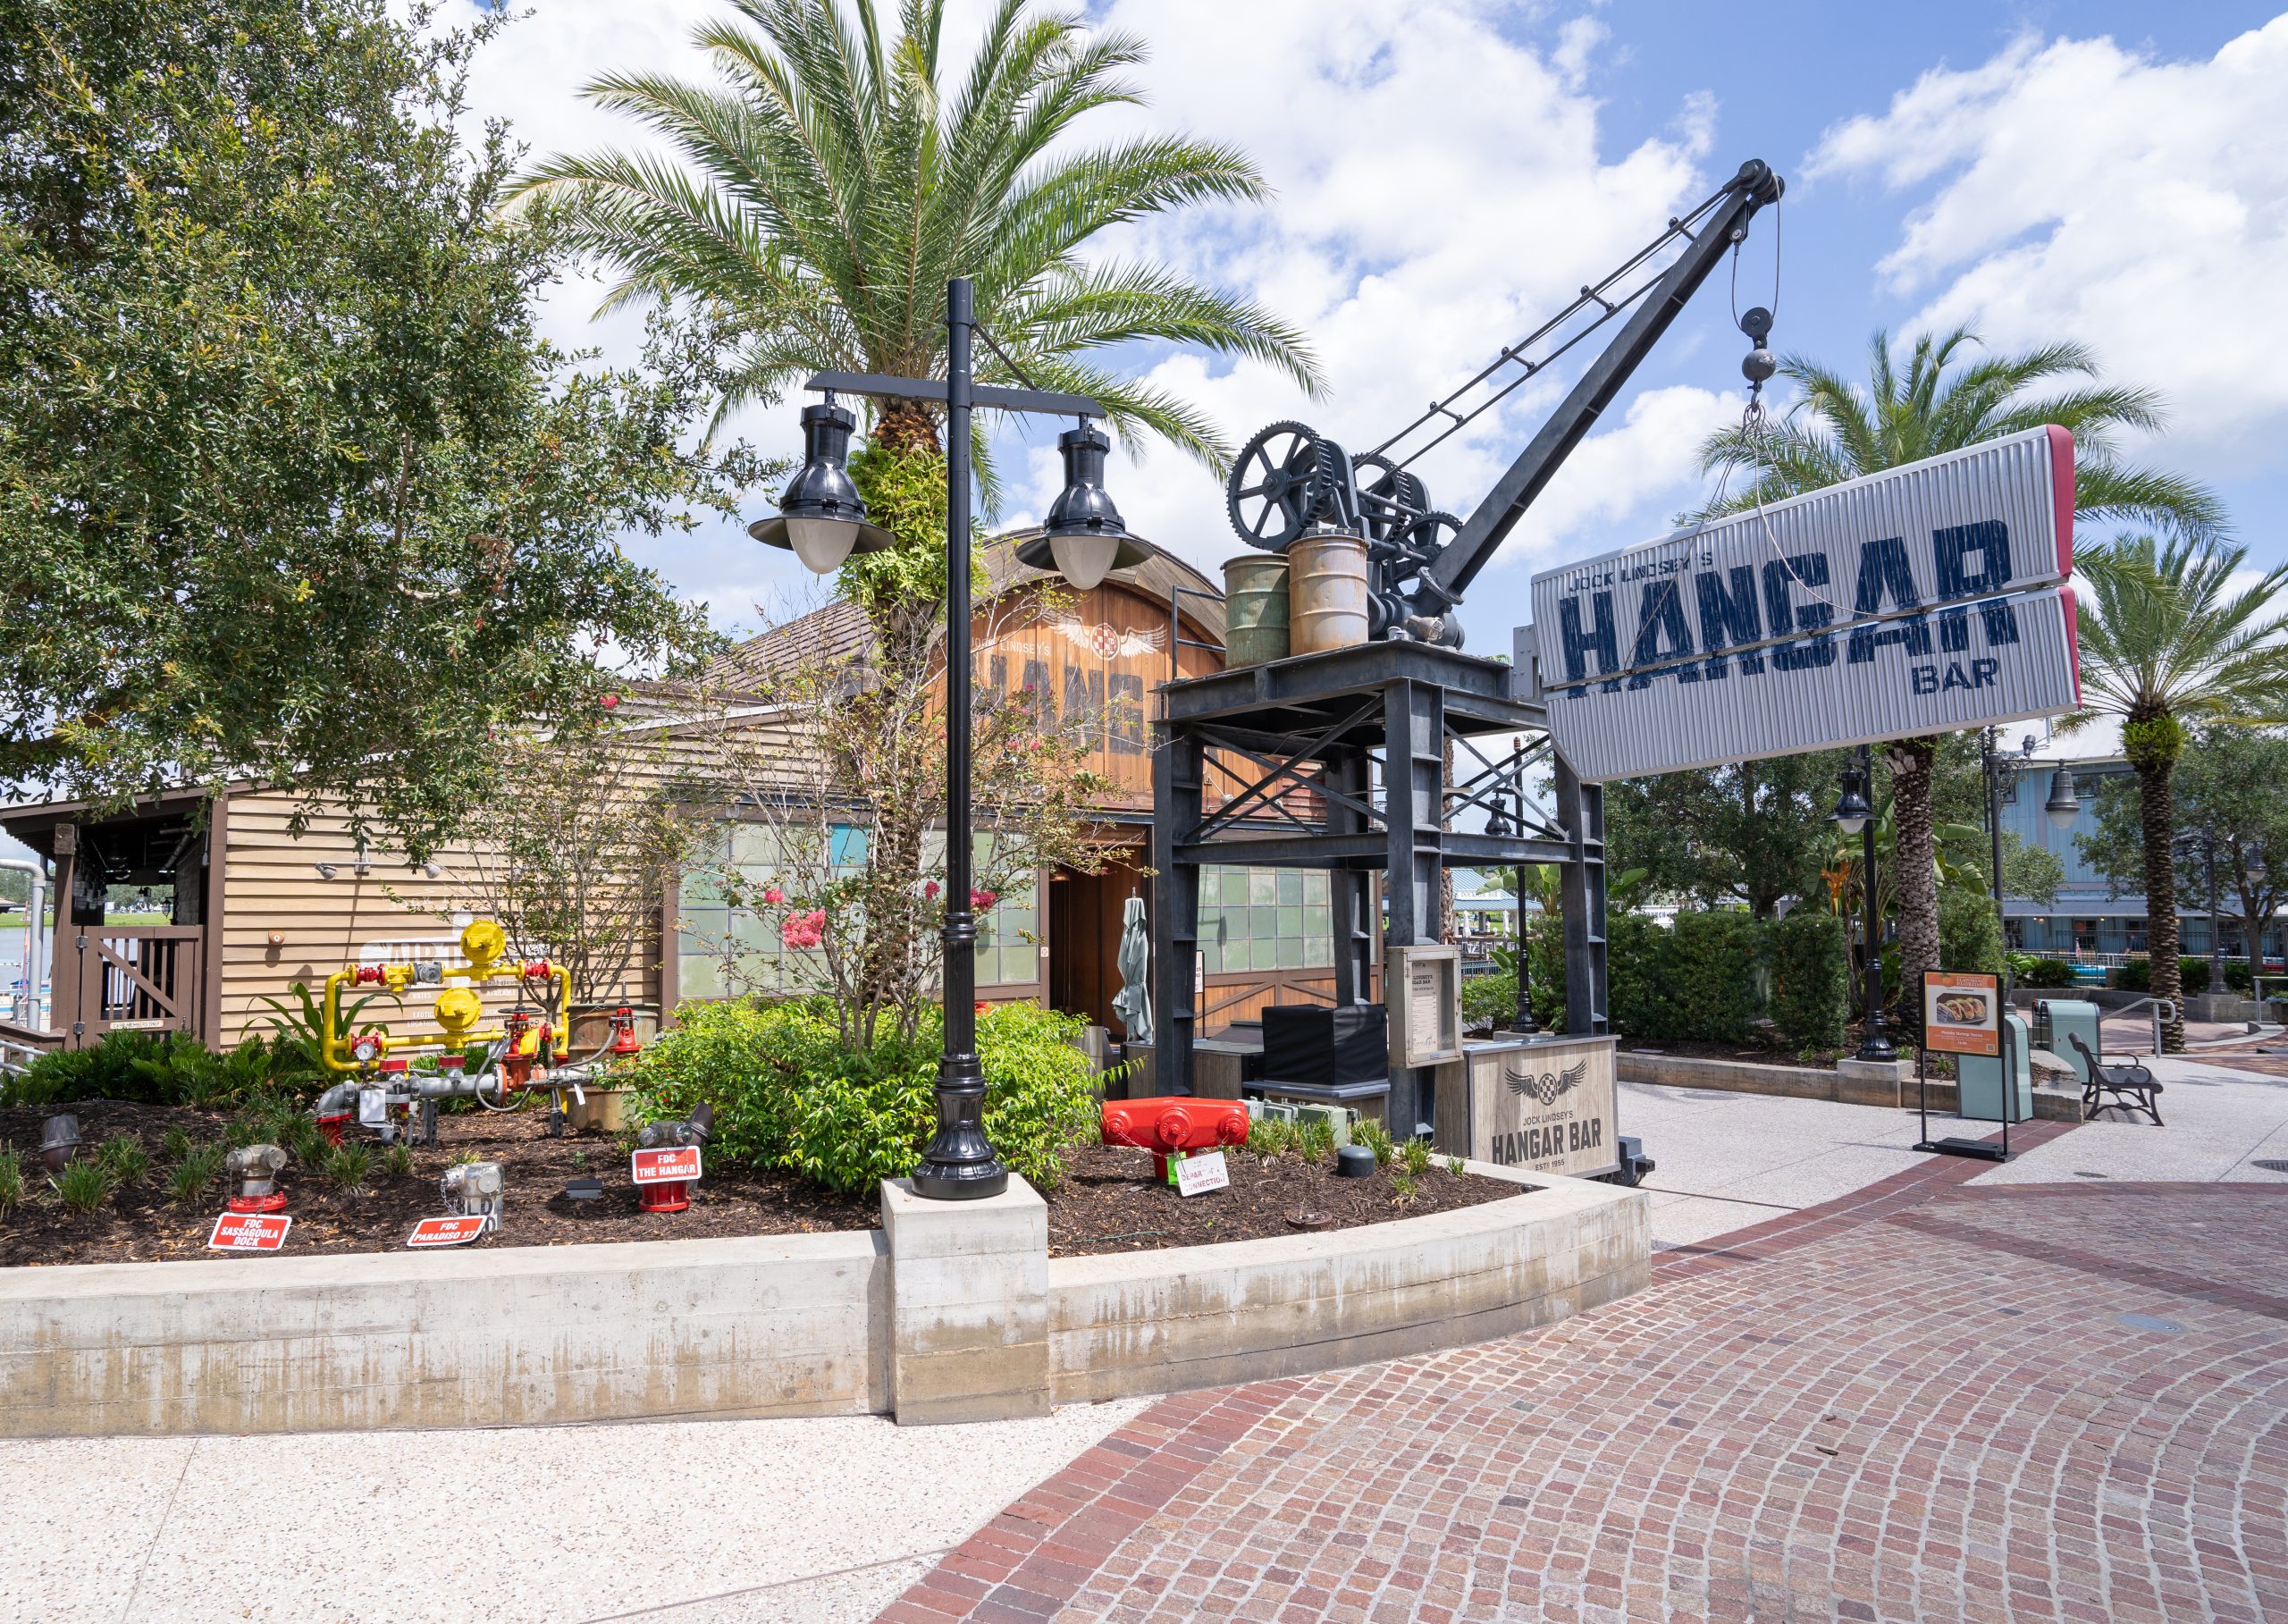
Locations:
(259, 904)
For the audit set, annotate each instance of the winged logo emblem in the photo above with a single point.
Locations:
(1547, 1088)
(1108, 641)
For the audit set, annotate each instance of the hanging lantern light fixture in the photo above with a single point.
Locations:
(821, 517)
(2064, 805)
(1084, 538)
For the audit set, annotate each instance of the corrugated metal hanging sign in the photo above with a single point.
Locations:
(1924, 599)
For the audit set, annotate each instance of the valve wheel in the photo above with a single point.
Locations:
(1269, 493)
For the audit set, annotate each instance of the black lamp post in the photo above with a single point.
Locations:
(824, 520)
(1853, 815)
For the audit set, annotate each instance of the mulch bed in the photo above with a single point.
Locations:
(1108, 1201)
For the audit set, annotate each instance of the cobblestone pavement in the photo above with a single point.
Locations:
(1927, 1401)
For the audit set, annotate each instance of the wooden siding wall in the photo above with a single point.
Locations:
(274, 885)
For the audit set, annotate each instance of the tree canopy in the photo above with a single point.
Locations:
(289, 484)
(837, 174)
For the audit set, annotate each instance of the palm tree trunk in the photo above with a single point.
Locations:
(907, 426)
(1917, 873)
(2152, 745)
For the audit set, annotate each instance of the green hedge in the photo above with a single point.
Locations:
(1810, 981)
(789, 1094)
(1714, 977)
(1698, 979)
(2028, 970)
(1970, 935)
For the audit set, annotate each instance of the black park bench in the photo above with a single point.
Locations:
(2132, 1087)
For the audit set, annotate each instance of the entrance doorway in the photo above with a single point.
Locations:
(1084, 916)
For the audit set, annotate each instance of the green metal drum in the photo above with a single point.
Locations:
(1254, 609)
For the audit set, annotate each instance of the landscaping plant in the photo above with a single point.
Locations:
(191, 1177)
(81, 1186)
(397, 1161)
(123, 1159)
(1376, 1138)
(12, 1178)
(348, 1167)
(789, 1093)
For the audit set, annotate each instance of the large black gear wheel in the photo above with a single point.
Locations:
(1270, 492)
(1389, 497)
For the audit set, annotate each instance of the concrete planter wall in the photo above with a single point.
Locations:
(948, 1312)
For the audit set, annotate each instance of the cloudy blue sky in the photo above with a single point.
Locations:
(1450, 170)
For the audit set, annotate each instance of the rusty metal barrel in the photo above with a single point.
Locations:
(1254, 609)
(1327, 590)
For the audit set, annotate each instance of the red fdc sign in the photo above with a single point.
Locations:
(445, 1231)
(249, 1232)
(673, 1166)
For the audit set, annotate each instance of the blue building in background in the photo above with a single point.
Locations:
(2088, 919)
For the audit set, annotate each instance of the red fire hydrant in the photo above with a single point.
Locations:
(1173, 1122)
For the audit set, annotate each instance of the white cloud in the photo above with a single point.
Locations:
(2084, 190)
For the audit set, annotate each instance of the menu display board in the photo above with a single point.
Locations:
(1962, 1013)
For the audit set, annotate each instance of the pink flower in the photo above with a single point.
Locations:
(609, 701)
(773, 894)
(983, 900)
(804, 930)
(929, 891)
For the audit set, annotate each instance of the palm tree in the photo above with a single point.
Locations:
(2170, 637)
(827, 186)
(1943, 401)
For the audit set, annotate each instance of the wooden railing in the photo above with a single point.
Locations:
(128, 978)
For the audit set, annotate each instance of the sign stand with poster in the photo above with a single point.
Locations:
(1961, 1015)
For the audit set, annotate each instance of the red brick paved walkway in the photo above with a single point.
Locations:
(1926, 1401)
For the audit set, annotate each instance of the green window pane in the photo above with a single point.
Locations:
(1234, 885)
(1263, 953)
(1318, 951)
(1315, 885)
(1291, 924)
(1319, 921)
(1291, 885)
(1263, 924)
(1291, 953)
(1263, 887)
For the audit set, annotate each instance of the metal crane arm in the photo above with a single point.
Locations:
(1444, 580)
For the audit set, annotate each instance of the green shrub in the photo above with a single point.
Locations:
(1697, 980)
(165, 1069)
(1490, 997)
(195, 1171)
(1811, 984)
(2193, 976)
(2135, 976)
(81, 1186)
(1970, 935)
(1269, 1136)
(1315, 1140)
(2027, 971)
(2238, 976)
(397, 1161)
(789, 1094)
(1374, 1136)
(346, 1166)
(12, 1178)
(175, 1144)
(122, 1159)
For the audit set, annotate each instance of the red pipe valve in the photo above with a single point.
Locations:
(1173, 1122)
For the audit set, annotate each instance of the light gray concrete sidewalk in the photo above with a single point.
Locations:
(700, 1522)
(2220, 1123)
(1724, 1160)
